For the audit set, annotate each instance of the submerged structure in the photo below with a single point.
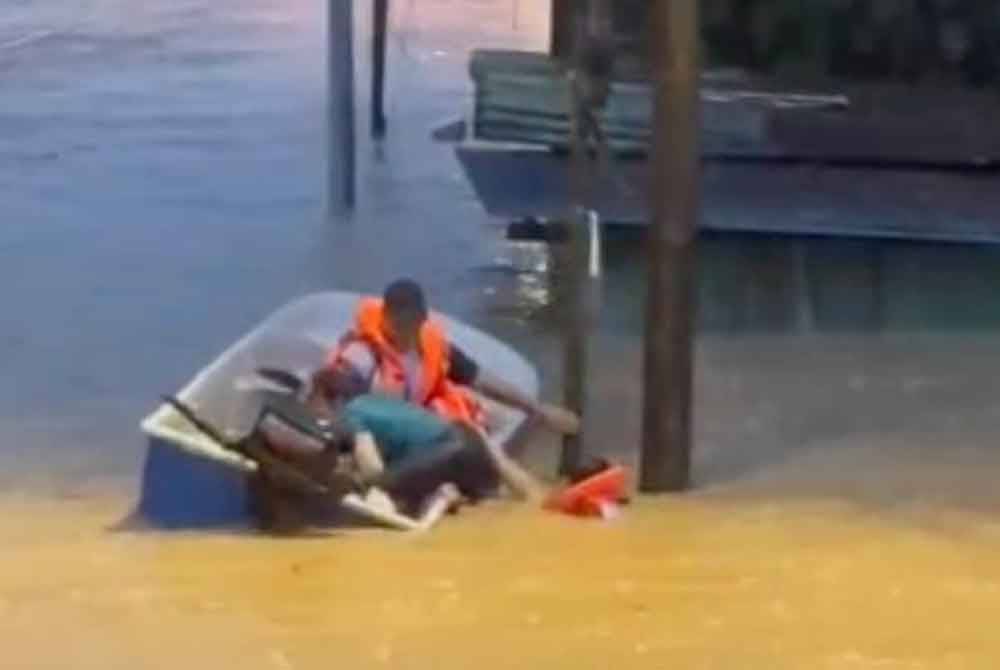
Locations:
(866, 159)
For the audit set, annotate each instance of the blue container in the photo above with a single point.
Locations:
(181, 491)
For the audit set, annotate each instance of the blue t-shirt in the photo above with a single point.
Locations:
(400, 429)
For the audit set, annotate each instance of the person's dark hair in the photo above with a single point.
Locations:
(340, 383)
(404, 299)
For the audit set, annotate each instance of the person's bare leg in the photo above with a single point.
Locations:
(367, 457)
(376, 506)
(521, 482)
(440, 503)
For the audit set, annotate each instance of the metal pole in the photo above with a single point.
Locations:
(378, 68)
(671, 296)
(340, 65)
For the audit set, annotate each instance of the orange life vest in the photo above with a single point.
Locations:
(597, 496)
(436, 392)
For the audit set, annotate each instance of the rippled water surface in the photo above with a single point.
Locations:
(161, 190)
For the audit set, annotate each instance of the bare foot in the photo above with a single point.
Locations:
(450, 494)
(380, 501)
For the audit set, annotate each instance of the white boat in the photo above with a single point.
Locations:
(190, 481)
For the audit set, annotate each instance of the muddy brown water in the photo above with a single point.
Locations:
(161, 192)
(854, 525)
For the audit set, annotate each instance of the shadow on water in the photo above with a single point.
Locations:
(758, 284)
(754, 284)
(803, 342)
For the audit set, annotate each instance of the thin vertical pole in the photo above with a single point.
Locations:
(340, 66)
(561, 27)
(671, 293)
(381, 28)
(575, 352)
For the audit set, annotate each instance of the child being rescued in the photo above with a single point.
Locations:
(412, 454)
(413, 466)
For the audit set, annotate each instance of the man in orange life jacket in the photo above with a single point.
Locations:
(395, 349)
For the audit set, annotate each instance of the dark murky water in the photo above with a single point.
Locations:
(161, 190)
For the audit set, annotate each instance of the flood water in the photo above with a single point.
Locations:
(161, 191)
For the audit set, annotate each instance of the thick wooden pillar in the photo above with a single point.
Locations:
(674, 199)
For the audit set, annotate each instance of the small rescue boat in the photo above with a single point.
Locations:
(190, 481)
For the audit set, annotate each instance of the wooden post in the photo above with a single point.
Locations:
(575, 263)
(561, 27)
(381, 28)
(340, 66)
(576, 350)
(671, 292)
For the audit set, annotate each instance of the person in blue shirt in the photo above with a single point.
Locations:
(412, 454)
